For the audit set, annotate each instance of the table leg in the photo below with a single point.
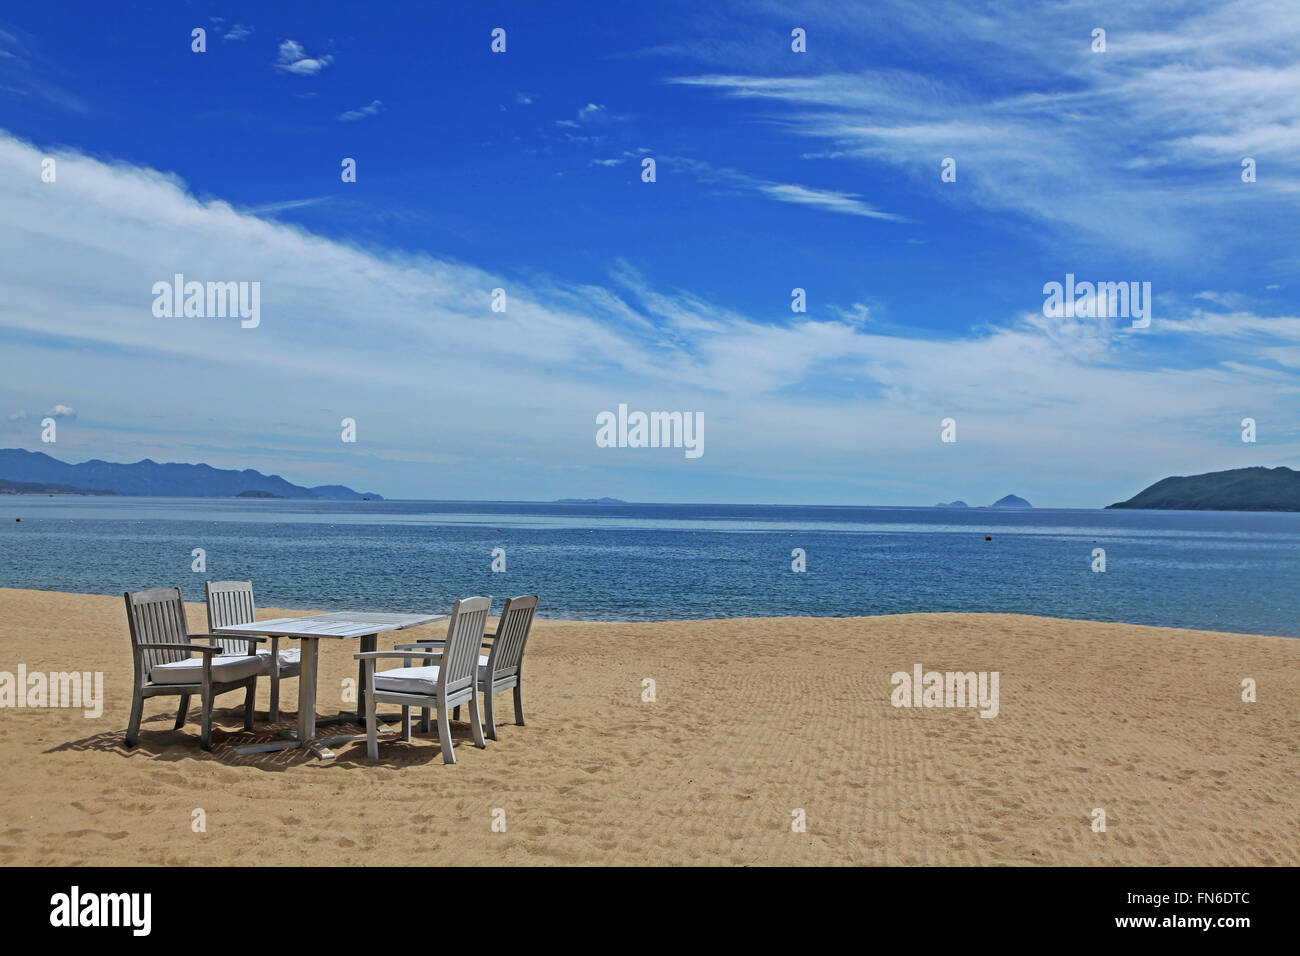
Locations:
(274, 714)
(306, 709)
(369, 642)
(307, 690)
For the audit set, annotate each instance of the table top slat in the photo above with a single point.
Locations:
(336, 624)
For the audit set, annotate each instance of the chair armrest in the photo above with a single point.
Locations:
(421, 644)
(203, 649)
(228, 637)
(380, 655)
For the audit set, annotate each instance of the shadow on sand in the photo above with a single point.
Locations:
(158, 741)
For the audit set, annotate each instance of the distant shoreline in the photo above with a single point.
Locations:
(970, 509)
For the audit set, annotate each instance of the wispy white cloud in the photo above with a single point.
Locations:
(827, 199)
(1138, 146)
(293, 58)
(271, 208)
(371, 110)
(592, 113)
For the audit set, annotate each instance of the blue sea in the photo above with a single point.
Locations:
(1226, 571)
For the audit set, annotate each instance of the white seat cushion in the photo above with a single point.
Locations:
(417, 680)
(225, 669)
(290, 655)
(409, 680)
(290, 658)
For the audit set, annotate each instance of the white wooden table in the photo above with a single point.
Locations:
(340, 625)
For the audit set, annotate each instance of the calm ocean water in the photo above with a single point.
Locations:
(1220, 571)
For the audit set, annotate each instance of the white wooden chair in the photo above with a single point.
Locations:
(231, 603)
(441, 686)
(502, 667)
(162, 648)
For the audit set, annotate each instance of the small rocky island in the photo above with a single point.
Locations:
(1011, 501)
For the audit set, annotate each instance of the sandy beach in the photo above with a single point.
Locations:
(752, 720)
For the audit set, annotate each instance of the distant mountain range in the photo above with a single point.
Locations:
(29, 472)
(1241, 489)
(168, 480)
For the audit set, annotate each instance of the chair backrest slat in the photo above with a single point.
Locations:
(231, 603)
(156, 616)
(507, 657)
(459, 667)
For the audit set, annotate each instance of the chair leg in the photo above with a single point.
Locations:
(475, 724)
(444, 734)
(519, 705)
(489, 713)
(182, 711)
(205, 726)
(406, 723)
(425, 724)
(137, 712)
(250, 705)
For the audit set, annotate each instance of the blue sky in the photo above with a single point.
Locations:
(775, 170)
